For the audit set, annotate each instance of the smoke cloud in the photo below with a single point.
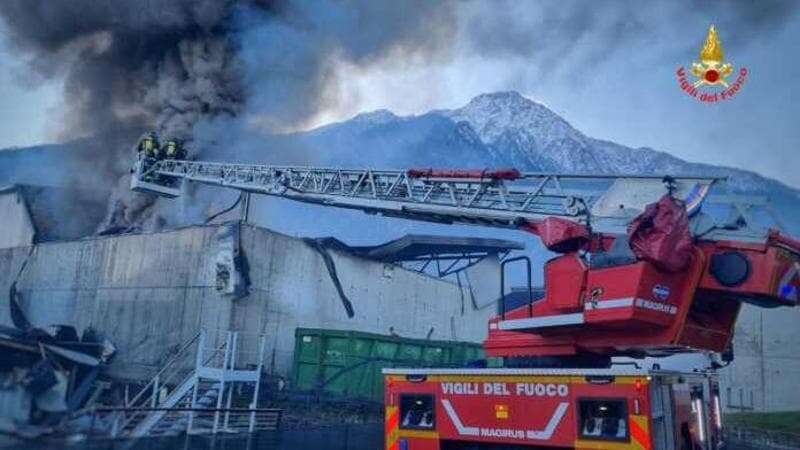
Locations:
(294, 77)
(131, 64)
(134, 65)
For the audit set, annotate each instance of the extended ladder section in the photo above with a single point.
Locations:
(500, 198)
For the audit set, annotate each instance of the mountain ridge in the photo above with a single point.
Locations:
(526, 134)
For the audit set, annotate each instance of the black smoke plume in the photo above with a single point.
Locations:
(135, 65)
(131, 64)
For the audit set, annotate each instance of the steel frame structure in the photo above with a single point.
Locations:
(455, 262)
(486, 201)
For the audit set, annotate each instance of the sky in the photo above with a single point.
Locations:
(28, 104)
(609, 70)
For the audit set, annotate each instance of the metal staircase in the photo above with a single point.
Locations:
(198, 397)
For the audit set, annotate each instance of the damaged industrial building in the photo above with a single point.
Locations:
(223, 327)
(134, 331)
(95, 321)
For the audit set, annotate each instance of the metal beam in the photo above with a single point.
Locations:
(533, 196)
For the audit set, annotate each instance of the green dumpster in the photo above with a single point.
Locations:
(349, 363)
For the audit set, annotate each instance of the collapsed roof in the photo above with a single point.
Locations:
(419, 251)
(61, 213)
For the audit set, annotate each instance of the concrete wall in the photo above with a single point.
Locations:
(150, 292)
(766, 369)
(18, 229)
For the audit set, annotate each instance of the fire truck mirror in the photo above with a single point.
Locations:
(603, 419)
(417, 412)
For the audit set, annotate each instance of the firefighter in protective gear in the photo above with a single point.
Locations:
(173, 149)
(149, 145)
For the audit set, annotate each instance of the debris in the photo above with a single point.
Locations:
(44, 372)
(54, 399)
(41, 377)
(233, 278)
(320, 246)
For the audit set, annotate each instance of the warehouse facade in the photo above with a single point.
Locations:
(151, 292)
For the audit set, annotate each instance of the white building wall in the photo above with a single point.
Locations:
(298, 292)
(151, 292)
(766, 368)
(18, 229)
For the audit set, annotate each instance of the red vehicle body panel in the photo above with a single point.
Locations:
(637, 309)
(537, 408)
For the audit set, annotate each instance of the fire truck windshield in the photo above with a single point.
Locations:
(416, 411)
(603, 419)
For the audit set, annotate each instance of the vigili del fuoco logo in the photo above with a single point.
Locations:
(712, 78)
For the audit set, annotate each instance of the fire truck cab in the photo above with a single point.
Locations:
(616, 408)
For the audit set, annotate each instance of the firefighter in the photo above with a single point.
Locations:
(171, 149)
(174, 149)
(149, 145)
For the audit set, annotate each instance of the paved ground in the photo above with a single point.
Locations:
(353, 437)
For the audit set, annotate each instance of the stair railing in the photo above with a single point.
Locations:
(182, 372)
(148, 395)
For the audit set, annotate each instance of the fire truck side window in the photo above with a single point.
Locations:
(605, 419)
(416, 411)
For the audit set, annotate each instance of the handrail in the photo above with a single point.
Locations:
(170, 362)
(166, 366)
(184, 409)
(180, 380)
(237, 418)
(151, 385)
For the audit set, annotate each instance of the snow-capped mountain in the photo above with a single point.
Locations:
(506, 129)
(503, 129)
(521, 130)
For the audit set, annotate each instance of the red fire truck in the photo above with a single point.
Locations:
(640, 271)
(629, 309)
(618, 408)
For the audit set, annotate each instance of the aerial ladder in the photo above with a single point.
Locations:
(602, 298)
